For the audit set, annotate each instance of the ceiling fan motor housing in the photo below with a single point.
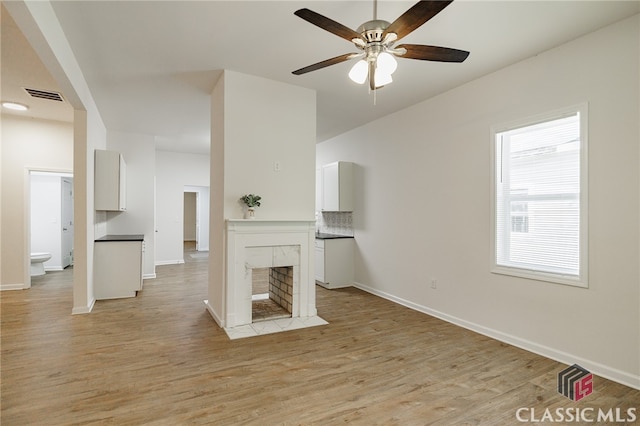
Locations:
(372, 31)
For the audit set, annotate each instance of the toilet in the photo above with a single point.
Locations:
(37, 263)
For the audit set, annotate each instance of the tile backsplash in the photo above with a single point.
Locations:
(340, 223)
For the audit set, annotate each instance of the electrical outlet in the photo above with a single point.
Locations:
(277, 166)
(434, 283)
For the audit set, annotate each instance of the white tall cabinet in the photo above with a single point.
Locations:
(110, 181)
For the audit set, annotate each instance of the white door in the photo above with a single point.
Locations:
(67, 222)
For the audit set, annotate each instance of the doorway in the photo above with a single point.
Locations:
(191, 219)
(50, 219)
(196, 217)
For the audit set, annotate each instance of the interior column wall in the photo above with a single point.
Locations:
(262, 142)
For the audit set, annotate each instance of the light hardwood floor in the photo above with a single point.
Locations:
(159, 359)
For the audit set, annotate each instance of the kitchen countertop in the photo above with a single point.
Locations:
(323, 236)
(127, 237)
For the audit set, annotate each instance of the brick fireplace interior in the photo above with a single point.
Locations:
(272, 293)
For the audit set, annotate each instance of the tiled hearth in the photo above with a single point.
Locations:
(273, 326)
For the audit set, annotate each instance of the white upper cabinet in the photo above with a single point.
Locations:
(337, 187)
(110, 181)
(318, 189)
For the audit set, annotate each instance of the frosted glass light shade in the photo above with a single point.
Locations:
(359, 72)
(386, 63)
(382, 78)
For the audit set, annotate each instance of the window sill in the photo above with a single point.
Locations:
(541, 276)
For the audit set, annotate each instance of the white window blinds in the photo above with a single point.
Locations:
(537, 196)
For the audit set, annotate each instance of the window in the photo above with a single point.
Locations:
(540, 198)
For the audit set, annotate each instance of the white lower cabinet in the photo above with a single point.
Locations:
(334, 262)
(117, 269)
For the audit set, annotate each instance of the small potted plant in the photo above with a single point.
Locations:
(251, 201)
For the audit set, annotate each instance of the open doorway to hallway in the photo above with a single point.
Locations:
(196, 218)
(190, 223)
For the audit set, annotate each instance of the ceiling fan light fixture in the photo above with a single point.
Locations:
(386, 63)
(382, 78)
(376, 38)
(359, 72)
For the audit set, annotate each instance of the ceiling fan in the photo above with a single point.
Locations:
(376, 38)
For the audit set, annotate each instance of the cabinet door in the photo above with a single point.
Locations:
(319, 189)
(117, 269)
(110, 181)
(122, 184)
(337, 187)
(330, 187)
(338, 263)
(320, 264)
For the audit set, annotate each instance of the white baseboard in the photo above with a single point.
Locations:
(149, 276)
(78, 310)
(7, 287)
(598, 369)
(213, 314)
(170, 262)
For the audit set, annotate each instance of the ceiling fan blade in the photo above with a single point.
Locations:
(432, 53)
(417, 15)
(327, 24)
(326, 63)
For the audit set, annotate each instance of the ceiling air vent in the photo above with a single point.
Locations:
(42, 94)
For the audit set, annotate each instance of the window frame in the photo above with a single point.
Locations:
(580, 280)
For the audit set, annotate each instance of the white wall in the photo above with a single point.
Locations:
(266, 122)
(26, 144)
(423, 206)
(174, 171)
(138, 152)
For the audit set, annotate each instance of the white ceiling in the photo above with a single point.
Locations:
(152, 65)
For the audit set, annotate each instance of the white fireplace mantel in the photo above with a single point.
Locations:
(252, 243)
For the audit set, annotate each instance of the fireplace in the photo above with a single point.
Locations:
(278, 245)
(281, 286)
(272, 294)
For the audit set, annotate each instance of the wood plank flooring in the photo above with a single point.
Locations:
(160, 359)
